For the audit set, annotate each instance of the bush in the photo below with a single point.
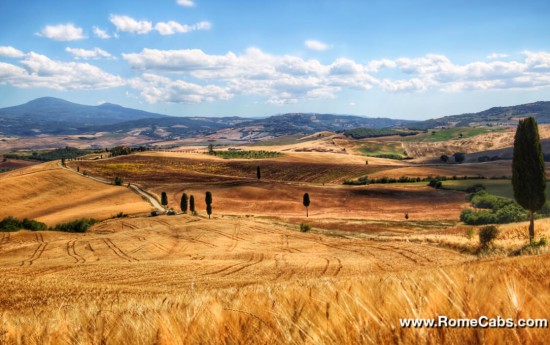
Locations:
(305, 227)
(13, 224)
(478, 218)
(79, 225)
(171, 212)
(478, 187)
(470, 233)
(118, 181)
(511, 213)
(487, 235)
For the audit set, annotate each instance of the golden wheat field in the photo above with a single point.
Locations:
(249, 275)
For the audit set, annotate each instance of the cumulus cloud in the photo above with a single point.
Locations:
(186, 3)
(154, 88)
(172, 27)
(62, 32)
(10, 52)
(285, 79)
(494, 56)
(84, 54)
(39, 71)
(103, 34)
(129, 24)
(315, 45)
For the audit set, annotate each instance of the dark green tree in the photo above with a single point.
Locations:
(258, 173)
(118, 181)
(459, 157)
(528, 173)
(444, 158)
(164, 199)
(306, 203)
(208, 200)
(183, 203)
(192, 204)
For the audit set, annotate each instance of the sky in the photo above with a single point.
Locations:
(400, 59)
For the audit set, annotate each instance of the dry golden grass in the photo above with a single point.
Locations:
(186, 280)
(50, 194)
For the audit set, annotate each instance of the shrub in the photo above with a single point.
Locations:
(13, 224)
(305, 227)
(511, 213)
(118, 181)
(79, 225)
(470, 233)
(171, 212)
(487, 235)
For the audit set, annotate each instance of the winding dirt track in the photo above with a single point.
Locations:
(177, 250)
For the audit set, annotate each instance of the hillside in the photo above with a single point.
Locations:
(496, 116)
(53, 195)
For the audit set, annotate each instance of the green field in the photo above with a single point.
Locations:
(377, 149)
(451, 133)
(496, 187)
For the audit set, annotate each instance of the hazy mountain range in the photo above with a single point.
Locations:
(53, 116)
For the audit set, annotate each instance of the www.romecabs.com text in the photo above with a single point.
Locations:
(481, 322)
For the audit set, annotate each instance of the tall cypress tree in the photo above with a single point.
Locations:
(192, 204)
(258, 174)
(183, 203)
(528, 173)
(306, 203)
(164, 199)
(208, 200)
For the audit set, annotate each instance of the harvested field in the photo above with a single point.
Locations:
(197, 168)
(51, 194)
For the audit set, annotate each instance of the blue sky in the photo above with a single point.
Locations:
(401, 59)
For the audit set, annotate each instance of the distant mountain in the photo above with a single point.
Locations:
(306, 123)
(50, 115)
(171, 127)
(55, 116)
(497, 116)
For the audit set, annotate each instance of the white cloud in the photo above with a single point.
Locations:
(10, 52)
(129, 24)
(286, 79)
(186, 3)
(95, 53)
(315, 45)
(103, 34)
(496, 56)
(155, 89)
(62, 32)
(172, 27)
(39, 71)
(539, 61)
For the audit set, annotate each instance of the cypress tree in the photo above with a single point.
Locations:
(164, 199)
(208, 200)
(528, 171)
(183, 203)
(258, 174)
(306, 203)
(192, 204)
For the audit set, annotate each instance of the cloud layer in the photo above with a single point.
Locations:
(194, 76)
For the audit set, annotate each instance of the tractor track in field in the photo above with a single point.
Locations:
(5, 238)
(118, 252)
(71, 251)
(246, 265)
(38, 251)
